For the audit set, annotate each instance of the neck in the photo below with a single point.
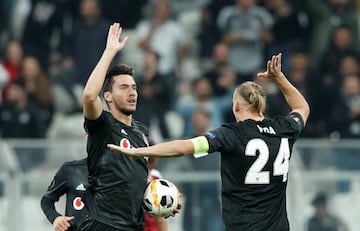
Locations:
(249, 115)
(126, 119)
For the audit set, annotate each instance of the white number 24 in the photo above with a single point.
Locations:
(255, 175)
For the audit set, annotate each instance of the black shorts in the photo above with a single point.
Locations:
(90, 224)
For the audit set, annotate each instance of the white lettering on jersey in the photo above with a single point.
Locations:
(268, 130)
(78, 204)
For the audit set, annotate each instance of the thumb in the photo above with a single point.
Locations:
(261, 74)
(70, 218)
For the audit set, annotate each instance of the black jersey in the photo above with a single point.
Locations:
(116, 182)
(70, 179)
(254, 168)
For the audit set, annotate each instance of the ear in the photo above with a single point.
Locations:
(236, 106)
(108, 97)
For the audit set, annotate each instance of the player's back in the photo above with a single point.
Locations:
(254, 173)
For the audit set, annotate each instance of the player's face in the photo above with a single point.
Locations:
(124, 94)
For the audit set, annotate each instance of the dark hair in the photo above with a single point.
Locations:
(119, 69)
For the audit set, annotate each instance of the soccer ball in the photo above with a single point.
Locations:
(160, 198)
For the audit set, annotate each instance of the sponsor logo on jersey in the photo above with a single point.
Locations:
(125, 143)
(78, 204)
(80, 187)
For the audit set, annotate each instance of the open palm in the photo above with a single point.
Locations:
(113, 40)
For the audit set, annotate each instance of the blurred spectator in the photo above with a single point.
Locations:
(165, 36)
(299, 75)
(128, 13)
(154, 95)
(325, 15)
(349, 65)
(204, 195)
(322, 220)
(38, 89)
(221, 76)
(345, 118)
(208, 34)
(13, 59)
(19, 118)
(18, 114)
(43, 28)
(202, 96)
(341, 45)
(288, 30)
(86, 40)
(245, 27)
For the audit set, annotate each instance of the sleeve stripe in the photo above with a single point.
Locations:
(201, 146)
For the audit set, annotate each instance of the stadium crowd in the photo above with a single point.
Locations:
(188, 55)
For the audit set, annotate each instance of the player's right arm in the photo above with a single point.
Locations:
(91, 100)
(293, 97)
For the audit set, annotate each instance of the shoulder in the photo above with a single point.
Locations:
(137, 125)
(74, 164)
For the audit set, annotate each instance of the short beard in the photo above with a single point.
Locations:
(125, 111)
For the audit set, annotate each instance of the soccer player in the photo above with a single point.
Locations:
(69, 180)
(255, 154)
(116, 182)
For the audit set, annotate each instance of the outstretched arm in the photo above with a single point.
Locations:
(197, 145)
(167, 149)
(91, 99)
(293, 97)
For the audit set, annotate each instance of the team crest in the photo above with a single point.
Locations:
(78, 204)
(125, 143)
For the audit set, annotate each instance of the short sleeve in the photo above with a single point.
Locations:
(58, 185)
(96, 127)
(221, 139)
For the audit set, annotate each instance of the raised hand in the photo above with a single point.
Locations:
(113, 40)
(273, 68)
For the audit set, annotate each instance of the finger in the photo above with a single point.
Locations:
(70, 218)
(272, 63)
(124, 40)
(110, 30)
(276, 62)
(280, 57)
(118, 32)
(268, 65)
(261, 74)
(116, 28)
(62, 226)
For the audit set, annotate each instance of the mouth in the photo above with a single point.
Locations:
(131, 101)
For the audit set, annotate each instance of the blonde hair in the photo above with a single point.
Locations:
(254, 95)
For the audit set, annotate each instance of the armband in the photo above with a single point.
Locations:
(201, 146)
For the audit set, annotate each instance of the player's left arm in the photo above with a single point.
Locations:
(168, 149)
